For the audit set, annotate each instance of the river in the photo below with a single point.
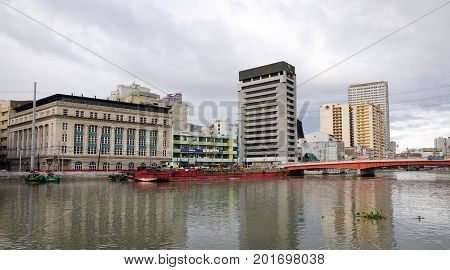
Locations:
(313, 212)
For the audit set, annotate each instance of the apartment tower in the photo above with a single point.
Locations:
(267, 112)
(374, 93)
(336, 120)
(368, 128)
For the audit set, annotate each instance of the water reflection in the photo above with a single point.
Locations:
(306, 213)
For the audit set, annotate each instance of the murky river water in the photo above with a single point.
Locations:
(314, 212)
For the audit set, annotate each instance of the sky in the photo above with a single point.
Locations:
(198, 48)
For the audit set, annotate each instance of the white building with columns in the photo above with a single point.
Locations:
(80, 133)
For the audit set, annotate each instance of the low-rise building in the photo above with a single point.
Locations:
(80, 133)
(5, 111)
(191, 148)
(322, 146)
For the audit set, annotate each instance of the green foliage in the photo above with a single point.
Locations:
(374, 215)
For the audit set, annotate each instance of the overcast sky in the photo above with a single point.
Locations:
(198, 47)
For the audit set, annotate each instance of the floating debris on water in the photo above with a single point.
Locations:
(374, 215)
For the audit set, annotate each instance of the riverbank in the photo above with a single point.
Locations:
(64, 175)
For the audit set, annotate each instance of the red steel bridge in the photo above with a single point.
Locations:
(363, 167)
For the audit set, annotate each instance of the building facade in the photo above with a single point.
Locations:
(443, 144)
(368, 128)
(204, 150)
(322, 146)
(267, 101)
(79, 133)
(6, 106)
(374, 93)
(336, 119)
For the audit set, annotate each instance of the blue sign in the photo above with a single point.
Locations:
(193, 150)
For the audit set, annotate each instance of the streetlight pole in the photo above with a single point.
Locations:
(33, 131)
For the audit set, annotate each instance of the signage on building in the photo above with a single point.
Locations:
(191, 150)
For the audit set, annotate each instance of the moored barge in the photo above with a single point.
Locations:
(187, 175)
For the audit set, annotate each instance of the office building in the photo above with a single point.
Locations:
(368, 128)
(336, 120)
(267, 114)
(375, 93)
(443, 144)
(80, 133)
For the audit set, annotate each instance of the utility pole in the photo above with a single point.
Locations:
(33, 130)
(20, 159)
(59, 162)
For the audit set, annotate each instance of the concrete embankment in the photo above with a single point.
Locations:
(63, 175)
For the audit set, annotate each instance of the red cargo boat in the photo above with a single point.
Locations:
(184, 175)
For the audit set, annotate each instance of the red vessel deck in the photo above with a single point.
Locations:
(186, 175)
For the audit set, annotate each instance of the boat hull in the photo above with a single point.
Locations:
(199, 175)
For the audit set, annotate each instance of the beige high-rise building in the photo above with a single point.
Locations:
(368, 128)
(374, 93)
(336, 120)
(267, 112)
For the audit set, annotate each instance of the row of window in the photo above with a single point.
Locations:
(107, 166)
(119, 117)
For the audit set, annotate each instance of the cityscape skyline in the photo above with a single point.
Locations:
(419, 109)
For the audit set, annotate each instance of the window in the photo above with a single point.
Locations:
(78, 166)
(92, 166)
(64, 126)
(92, 150)
(78, 138)
(130, 151)
(142, 151)
(105, 166)
(63, 149)
(93, 129)
(143, 166)
(65, 112)
(131, 119)
(93, 115)
(164, 143)
(131, 166)
(118, 151)
(78, 150)
(105, 150)
(164, 153)
(118, 166)
(79, 113)
(143, 120)
(154, 121)
(119, 131)
(64, 137)
(153, 152)
(165, 122)
(165, 134)
(79, 128)
(107, 116)
(119, 117)
(106, 130)
(106, 140)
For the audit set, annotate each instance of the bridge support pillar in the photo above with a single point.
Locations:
(297, 173)
(365, 172)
